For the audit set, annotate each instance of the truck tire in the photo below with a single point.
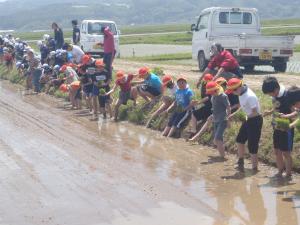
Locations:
(280, 67)
(202, 62)
(249, 68)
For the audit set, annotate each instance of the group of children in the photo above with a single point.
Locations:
(222, 98)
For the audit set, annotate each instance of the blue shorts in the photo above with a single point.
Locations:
(88, 90)
(95, 91)
(177, 119)
(153, 91)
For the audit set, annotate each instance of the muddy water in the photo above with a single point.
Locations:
(57, 167)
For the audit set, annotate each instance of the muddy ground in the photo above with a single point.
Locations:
(58, 167)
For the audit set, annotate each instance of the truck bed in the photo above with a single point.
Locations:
(255, 41)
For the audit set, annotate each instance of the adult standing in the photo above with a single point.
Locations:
(58, 36)
(76, 32)
(109, 48)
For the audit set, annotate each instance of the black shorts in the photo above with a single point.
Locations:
(283, 140)
(251, 131)
(124, 96)
(153, 91)
(103, 100)
(177, 119)
(78, 94)
(203, 113)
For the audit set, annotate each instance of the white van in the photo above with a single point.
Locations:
(90, 35)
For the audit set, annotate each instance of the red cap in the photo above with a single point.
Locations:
(143, 71)
(166, 79)
(221, 80)
(99, 63)
(63, 88)
(208, 77)
(85, 59)
(211, 87)
(120, 74)
(63, 68)
(233, 84)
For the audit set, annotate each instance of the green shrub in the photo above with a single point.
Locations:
(158, 71)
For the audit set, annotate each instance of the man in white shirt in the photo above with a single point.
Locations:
(251, 129)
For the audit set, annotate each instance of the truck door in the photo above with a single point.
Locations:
(200, 36)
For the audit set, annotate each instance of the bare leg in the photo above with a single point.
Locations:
(288, 163)
(241, 154)
(202, 130)
(279, 161)
(172, 131)
(254, 161)
(166, 131)
(220, 147)
(116, 110)
(95, 105)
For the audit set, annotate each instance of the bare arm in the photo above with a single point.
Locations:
(220, 71)
(112, 90)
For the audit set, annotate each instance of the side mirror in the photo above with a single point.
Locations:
(193, 27)
(119, 32)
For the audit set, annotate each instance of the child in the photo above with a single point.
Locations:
(221, 111)
(251, 129)
(126, 91)
(170, 89)
(234, 105)
(151, 86)
(101, 82)
(71, 76)
(282, 140)
(203, 112)
(183, 104)
(87, 71)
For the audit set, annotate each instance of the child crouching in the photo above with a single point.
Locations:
(183, 104)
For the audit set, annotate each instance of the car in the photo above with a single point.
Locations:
(91, 35)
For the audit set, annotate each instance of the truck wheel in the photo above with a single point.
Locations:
(249, 68)
(280, 67)
(202, 62)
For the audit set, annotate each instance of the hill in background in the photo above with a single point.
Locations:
(36, 14)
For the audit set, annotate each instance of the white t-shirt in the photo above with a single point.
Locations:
(171, 92)
(249, 101)
(77, 54)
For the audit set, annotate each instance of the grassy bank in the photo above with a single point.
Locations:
(140, 114)
(163, 57)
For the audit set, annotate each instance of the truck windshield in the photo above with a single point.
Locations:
(95, 28)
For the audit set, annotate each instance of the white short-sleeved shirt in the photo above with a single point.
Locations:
(77, 54)
(249, 101)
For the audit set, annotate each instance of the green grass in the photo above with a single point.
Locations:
(155, 28)
(164, 57)
(179, 39)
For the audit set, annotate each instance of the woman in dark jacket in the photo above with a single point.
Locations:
(58, 36)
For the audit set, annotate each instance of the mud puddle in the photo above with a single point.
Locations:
(60, 168)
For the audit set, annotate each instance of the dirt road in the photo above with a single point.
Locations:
(57, 167)
(191, 72)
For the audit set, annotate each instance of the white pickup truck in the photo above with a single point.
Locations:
(239, 31)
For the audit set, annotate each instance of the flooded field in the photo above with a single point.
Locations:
(57, 167)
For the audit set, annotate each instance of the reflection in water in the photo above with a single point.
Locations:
(242, 200)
